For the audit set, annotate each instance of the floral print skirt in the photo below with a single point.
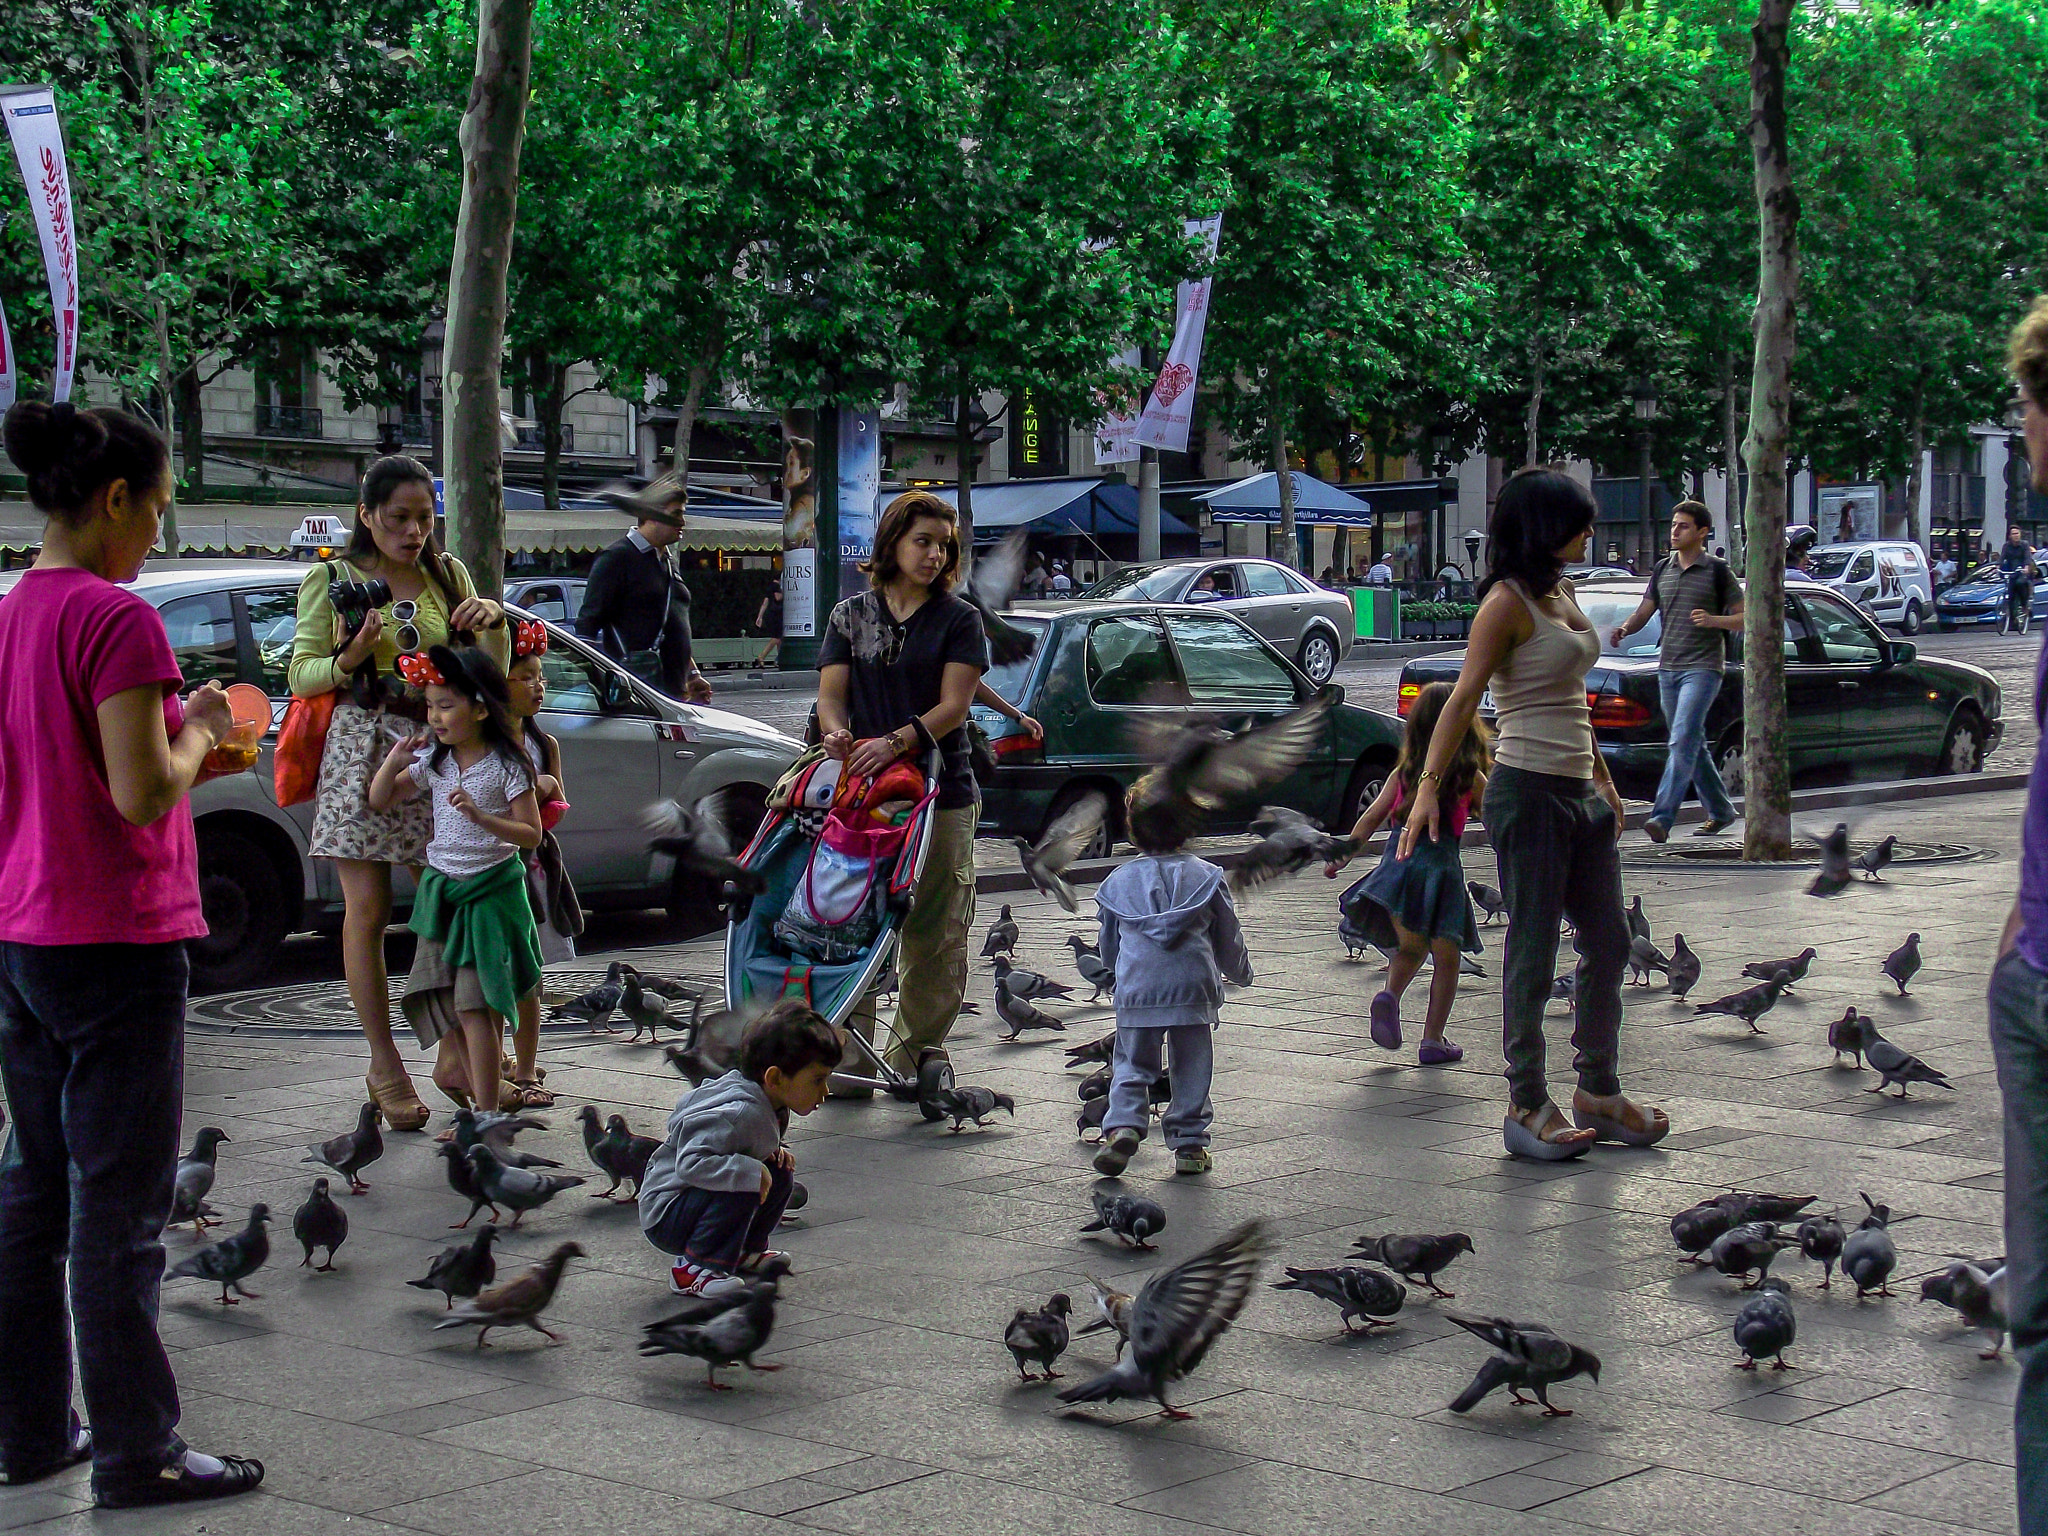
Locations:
(344, 826)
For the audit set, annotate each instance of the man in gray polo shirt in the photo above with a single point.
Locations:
(1701, 604)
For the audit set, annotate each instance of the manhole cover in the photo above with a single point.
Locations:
(322, 1007)
(1726, 854)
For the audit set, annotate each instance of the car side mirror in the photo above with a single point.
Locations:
(1334, 692)
(1201, 597)
(1903, 651)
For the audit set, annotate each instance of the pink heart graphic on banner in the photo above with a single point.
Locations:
(1174, 380)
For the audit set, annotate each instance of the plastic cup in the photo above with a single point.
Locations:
(237, 751)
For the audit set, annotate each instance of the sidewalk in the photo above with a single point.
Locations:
(898, 1410)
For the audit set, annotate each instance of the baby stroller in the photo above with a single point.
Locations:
(840, 873)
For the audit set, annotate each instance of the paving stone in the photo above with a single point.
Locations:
(1515, 1490)
(1974, 1495)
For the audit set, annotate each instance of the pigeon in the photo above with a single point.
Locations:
(462, 1179)
(1683, 973)
(521, 1299)
(661, 498)
(695, 839)
(1638, 924)
(1019, 1014)
(1046, 861)
(698, 1310)
(991, 586)
(1645, 958)
(1872, 860)
(1289, 842)
(195, 1179)
(648, 1013)
(1748, 1205)
(729, 1338)
(1894, 1065)
(1766, 1326)
(1834, 863)
(1201, 768)
(1795, 966)
(462, 1269)
(232, 1260)
(1488, 900)
(668, 987)
(1528, 1356)
(1977, 1291)
(1040, 1336)
(1002, 935)
(1175, 1319)
(1748, 1005)
(1695, 1229)
(1903, 963)
(1821, 1239)
(1751, 1246)
(1088, 1123)
(495, 1129)
(615, 1151)
(1868, 1255)
(320, 1223)
(1112, 1311)
(352, 1151)
(1096, 1084)
(1130, 1217)
(1372, 1294)
(1031, 985)
(1354, 939)
(966, 1103)
(1095, 1050)
(1415, 1257)
(1088, 961)
(520, 1188)
(597, 1006)
(1565, 988)
(1846, 1034)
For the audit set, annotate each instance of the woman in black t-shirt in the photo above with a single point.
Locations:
(896, 672)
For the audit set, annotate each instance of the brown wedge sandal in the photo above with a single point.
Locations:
(399, 1102)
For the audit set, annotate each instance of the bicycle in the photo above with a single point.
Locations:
(2018, 609)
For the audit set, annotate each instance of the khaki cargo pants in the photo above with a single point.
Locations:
(931, 954)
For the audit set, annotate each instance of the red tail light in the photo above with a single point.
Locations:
(1612, 712)
(1022, 747)
(1405, 699)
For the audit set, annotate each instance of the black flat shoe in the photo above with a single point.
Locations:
(81, 1450)
(175, 1485)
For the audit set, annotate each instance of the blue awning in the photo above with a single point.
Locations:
(1091, 505)
(1317, 504)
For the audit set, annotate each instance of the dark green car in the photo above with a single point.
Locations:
(1100, 667)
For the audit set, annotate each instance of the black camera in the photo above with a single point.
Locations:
(354, 599)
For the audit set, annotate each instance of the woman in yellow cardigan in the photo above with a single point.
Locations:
(431, 597)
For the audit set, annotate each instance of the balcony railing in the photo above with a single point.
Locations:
(289, 421)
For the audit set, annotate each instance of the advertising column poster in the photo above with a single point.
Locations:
(860, 486)
(799, 531)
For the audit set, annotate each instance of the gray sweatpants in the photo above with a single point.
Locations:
(1136, 1068)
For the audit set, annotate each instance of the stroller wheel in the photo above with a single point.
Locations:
(934, 1076)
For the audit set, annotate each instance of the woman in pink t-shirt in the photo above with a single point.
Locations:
(102, 891)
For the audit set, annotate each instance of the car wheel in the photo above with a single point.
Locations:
(1963, 749)
(244, 904)
(1728, 759)
(1103, 843)
(1367, 780)
(695, 903)
(1318, 658)
(1909, 622)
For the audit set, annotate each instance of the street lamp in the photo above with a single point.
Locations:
(1646, 415)
(1473, 539)
(390, 428)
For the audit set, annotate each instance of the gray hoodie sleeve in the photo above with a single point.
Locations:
(1227, 935)
(1105, 940)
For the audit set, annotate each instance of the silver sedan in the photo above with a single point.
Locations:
(1306, 623)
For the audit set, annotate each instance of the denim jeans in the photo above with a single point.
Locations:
(1555, 841)
(92, 1051)
(717, 1227)
(2019, 1044)
(1687, 696)
(1136, 1068)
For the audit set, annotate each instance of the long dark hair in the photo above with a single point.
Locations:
(71, 455)
(473, 674)
(1537, 510)
(1466, 764)
(895, 522)
(380, 483)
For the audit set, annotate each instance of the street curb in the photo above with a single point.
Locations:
(1885, 792)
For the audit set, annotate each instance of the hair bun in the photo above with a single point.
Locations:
(33, 440)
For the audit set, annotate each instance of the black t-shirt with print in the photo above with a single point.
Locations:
(895, 671)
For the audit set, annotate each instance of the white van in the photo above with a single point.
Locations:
(1890, 580)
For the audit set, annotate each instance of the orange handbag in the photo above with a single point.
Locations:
(301, 741)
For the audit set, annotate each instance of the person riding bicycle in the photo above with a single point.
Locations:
(2016, 560)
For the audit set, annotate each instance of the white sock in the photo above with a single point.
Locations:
(202, 1465)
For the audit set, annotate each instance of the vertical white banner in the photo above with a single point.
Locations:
(7, 368)
(1168, 411)
(31, 113)
(1115, 442)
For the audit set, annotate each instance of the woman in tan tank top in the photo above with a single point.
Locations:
(1551, 812)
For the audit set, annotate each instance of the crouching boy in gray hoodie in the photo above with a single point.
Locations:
(1170, 933)
(716, 1187)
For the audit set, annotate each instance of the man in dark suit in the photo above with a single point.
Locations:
(635, 601)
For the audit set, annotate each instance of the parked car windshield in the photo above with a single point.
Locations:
(1827, 564)
(1607, 609)
(1008, 678)
(1146, 583)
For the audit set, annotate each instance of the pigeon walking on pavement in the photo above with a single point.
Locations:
(1088, 961)
(1903, 963)
(1683, 974)
(1130, 1217)
(520, 1189)
(462, 1269)
(518, 1302)
(1039, 1335)
(1871, 861)
(233, 1259)
(615, 1151)
(1047, 860)
(1177, 1317)
(462, 1179)
(1821, 1239)
(1751, 1205)
(1794, 966)
(1846, 1034)
(1372, 1294)
(1030, 985)
(965, 1102)
(1869, 1255)
(1833, 878)
(1416, 1257)
(1977, 1292)
(195, 1176)
(730, 1337)
(1527, 1357)
(352, 1151)
(496, 1130)
(1489, 901)
(1749, 1248)
(645, 1012)
(1894, 1065)
(1695, 1228)
(319, 1223)
(1645, 959)
(1019, 1014)
(1002, 935)
(1765, 1326)
(1639, 922)
(597, 1006)
(1750, 1004)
